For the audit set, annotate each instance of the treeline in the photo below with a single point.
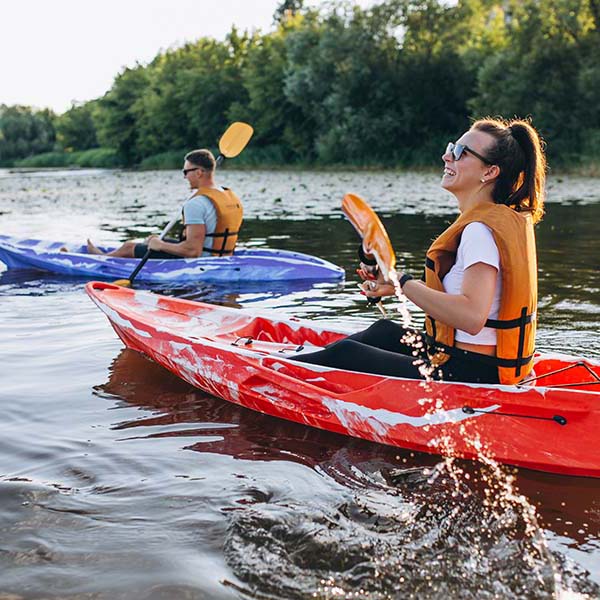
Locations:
(389, 85)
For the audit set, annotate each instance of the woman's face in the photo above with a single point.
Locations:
(463, 175)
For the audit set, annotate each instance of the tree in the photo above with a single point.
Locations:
(545, 71)
(287, 10)
(25, 132)
(118, 114)
(75, 129)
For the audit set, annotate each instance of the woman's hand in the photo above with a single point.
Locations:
(377, 289)
(374, 284)
(367, 272)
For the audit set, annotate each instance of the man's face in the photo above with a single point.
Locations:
(193, 173)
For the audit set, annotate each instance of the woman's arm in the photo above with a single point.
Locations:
(467, 311)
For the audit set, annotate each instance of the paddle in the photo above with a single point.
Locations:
(375, 240)
(232, 142)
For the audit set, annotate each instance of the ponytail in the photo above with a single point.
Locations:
(519, 154)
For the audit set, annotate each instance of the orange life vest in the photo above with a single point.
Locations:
(516, 323)
(229, 219)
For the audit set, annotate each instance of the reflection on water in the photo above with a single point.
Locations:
(118, 480)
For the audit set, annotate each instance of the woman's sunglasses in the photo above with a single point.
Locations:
(457, 151)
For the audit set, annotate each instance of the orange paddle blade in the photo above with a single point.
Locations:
(234, 140)
(374, 236)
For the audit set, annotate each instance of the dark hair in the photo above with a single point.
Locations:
(201, 158)
(519, 153)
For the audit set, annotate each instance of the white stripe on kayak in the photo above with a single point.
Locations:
(381, 419)
(118, 320)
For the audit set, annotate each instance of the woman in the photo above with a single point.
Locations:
(480, 288)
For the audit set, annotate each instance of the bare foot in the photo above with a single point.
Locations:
(93, 249)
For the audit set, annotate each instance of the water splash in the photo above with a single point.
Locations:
(419, 532)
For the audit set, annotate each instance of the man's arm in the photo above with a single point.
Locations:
(191, 247)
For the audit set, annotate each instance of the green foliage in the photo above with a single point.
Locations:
(75, 129)
(173, 159)
(369, 97)
(24, 132)
(388, 85)
(549, 71)
(46, 160)
(98, 158)
(287, 10)
(264, 156)
(119, 114)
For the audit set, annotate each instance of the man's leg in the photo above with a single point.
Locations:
(125, 251)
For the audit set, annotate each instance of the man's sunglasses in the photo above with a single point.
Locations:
(457, 151)
(186, 171)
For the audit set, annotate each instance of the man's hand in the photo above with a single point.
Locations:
(154, 242)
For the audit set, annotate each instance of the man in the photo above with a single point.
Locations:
(211, 218)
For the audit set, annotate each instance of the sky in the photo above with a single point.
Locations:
(54, 52)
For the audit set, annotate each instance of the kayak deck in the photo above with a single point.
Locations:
(244, 357)
(245, 265)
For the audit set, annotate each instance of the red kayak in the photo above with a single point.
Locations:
(550, 423)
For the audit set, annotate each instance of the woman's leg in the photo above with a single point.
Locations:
(351, 355)
(390, 336)
(466, 368)
(386, 348)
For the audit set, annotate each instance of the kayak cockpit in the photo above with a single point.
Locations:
(259, 329)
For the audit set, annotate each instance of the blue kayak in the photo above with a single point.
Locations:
(247, 264)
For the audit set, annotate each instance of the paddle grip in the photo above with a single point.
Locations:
(369, 265)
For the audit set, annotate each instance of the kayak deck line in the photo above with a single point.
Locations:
(535, 425)
(580, 363)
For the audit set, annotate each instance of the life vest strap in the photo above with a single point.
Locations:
(494, 361)
(221, 251)
(511, 323)
(225, 234)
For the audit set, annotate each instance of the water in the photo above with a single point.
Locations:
(118, 480)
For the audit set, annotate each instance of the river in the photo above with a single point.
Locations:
(120, 481)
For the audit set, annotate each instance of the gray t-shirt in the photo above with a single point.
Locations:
(199, 210)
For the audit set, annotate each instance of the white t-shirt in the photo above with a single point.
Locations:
(199, 210)
(476, 245)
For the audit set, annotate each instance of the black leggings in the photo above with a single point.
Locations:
(141, 249)
(386, 348)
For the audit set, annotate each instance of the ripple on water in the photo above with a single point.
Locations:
(429, 536)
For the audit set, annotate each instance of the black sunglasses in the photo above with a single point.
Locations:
(186, 171)
(457, 151)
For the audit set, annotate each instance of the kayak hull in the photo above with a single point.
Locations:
(244, 357)
(244, 265)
